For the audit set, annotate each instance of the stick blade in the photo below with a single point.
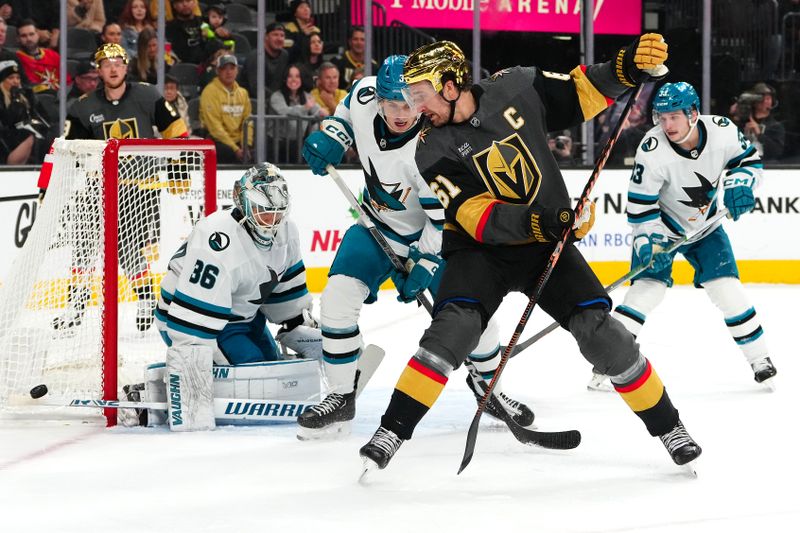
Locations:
(472, 436)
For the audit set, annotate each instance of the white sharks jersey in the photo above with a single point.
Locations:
(673, 191)
(395, 196)
(219, 276)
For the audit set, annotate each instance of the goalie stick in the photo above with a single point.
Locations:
(224, 408)
(627, 277)
(557, 440)
(472, 434)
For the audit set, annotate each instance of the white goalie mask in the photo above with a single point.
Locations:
(262, 196)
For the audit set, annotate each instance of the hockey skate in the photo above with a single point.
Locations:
(519, 412)
(77, 298)
(329, 419)
(681, 447)
(763, 372)
(600, 383)
(145, 309)
(378, 451)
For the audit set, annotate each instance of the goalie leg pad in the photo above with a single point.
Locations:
(604, 341)
(155, 390)
(190, 388)
(643, 296)
(296, 380)
(341, 339)
(740, 316)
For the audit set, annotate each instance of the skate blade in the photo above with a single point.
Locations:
(331, 432)
(600, 386)
(768, 385)
(368, 466)
(689, 469)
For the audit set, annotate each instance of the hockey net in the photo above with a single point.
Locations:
(76, 307)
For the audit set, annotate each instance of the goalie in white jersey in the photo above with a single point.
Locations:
(238, 269)
(375, 117)
(673, 191)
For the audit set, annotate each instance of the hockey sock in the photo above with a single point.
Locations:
(643, 391)
(341, 349)
(747, 333)
(415, 393)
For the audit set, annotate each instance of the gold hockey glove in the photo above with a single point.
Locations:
(645, 55)
(584, 224)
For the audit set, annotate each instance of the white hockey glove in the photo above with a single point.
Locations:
(302, 335)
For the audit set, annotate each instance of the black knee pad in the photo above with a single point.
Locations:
(604, 341)
(454, 332)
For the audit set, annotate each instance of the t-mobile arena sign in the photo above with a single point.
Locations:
(622, 17)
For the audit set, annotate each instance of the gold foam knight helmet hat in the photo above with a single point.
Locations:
(109, 51)
(432, 61)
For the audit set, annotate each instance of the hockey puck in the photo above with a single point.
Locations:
(38, 391)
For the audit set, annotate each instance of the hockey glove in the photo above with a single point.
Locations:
(422, 268)
(302, 335)
(546, 225)
(645, 55)
(583, 225)
(650, 247)
(328, 145)
(738, 197)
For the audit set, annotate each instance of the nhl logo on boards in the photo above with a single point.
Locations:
(218, 241)
(475, 122)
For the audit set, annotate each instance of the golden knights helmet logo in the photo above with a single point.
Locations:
(509, 170)
(122, 128)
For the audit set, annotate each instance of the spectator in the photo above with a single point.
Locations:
(208, 70)
(5, 53)
(561, 147)
(353, 57)
(173, 96)
(168, 12)
(86, 14)
(223, 107)
(634, 129)
(311, 59)
(276, 60)
(85, 81)
(144, 67)
(292, 100)
(299, 28)
(46, 16)
(8, 12)
(111, 34)
(753, 114)
(18, 128)
(114, 8)
(133, 20)
(214, 28)
(185, 32)
(327, 93)
(40, 64)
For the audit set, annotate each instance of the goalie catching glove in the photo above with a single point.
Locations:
(547, 225)
(328, 145)
(738, 197)
(302, 335)
(645, 55)
(649, 247)
(422, 269)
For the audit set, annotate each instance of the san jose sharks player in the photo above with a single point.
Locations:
(376, 119)
(673, 190)
(237, 269)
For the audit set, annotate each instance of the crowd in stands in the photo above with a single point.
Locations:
(212, 77)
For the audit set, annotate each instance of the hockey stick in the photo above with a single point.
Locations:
(554, 440)
(572, 437)
(629, 276)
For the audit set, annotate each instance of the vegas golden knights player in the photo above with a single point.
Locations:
(118, 110)
(484, 152)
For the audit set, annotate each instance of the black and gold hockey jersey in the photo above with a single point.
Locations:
(133, 116)
(488, 169)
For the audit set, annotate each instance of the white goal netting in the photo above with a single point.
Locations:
(86, 248)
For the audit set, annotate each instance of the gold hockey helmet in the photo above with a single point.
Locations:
(431, 61)
(109, 51)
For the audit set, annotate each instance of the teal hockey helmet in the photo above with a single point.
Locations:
(679, 96)
(261, 194)
(391, 82)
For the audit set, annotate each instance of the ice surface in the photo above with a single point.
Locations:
(70, 476)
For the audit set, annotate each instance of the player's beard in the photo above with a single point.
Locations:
(119, 84)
